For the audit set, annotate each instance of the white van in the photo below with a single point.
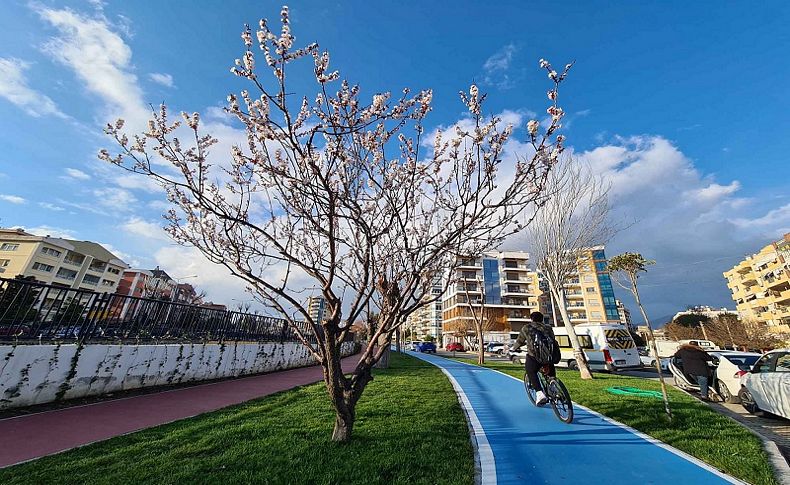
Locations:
(607, 346)
(667, 348)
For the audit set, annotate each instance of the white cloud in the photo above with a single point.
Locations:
(52, 231)
(52, 207)
(125, 257)
(497, 66)
(14, 88)
(14, 199)
(146, 229)
(161, 78)
(76, 174)
(134, 181)
(116, 199)
(694, 226)
(101, 60)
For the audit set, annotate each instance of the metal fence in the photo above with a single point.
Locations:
(32, 312)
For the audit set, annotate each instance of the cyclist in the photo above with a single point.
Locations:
(536, 357)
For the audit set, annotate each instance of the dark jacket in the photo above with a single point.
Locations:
(527, 335)
(695, 360)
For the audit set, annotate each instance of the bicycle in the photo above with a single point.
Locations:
(556, 393)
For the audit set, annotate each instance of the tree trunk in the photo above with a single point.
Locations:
(397, 340)
(655, 349)
(578, 353)
(384, 361)
(481, 356)
(344, 425)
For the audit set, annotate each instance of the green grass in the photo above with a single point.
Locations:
(410, 429)
(695, 429)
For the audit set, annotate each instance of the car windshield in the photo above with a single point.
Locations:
(744, 362)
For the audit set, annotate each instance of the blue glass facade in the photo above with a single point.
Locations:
(491, 281)
(605, 282)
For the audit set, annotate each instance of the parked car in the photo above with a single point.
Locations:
(727, 369)
(454, 347)
(650, 361)
(427, 347)
(766, 387)
(411, 345)
(495, 348)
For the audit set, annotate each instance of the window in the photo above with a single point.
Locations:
(591, 290)
(4, 263)
(9, 247)
(114, 270)
(66, 274)
(565, 342)
(598, 254)
(765, 364)
(595, 315)
(107, 283)
(90, 280)
(43, 267)
(514, 289)
(612, 314)
(783, 363)
(588, 278)
(470, 275)
(593, 303)
(600, 265)
(51, 252)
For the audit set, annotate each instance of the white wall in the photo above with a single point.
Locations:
(35, 374)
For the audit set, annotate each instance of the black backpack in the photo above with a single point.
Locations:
(544, 348)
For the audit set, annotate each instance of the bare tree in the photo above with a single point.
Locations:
(484, 318)
(335, 191)
(574, 219)
(631, 265)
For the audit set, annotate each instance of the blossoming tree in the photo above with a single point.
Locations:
(338, 193)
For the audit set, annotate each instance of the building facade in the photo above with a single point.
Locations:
(760, 286)
(625, 316)
(316, 307)
(427, 320)
(589, 293)
(502, 283)
(61, 262)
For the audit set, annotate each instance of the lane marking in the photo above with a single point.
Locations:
(485, 455)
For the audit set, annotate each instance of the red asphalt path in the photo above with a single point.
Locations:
(35, 435)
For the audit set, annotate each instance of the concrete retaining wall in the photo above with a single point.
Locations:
(36, 374)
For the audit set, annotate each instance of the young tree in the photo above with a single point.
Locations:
(630, 265)
(574, 219)
(484, 318)
(335, 191)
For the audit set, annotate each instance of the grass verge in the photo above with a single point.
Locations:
(410, 429)
(695, 429)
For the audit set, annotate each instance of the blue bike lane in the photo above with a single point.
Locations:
(520, 443)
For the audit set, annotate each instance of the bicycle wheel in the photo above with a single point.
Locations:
(560, 401)
(530, 391)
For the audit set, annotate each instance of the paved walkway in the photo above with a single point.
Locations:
(36, 435)
(520, 443)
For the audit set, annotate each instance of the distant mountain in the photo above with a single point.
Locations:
(658, 322)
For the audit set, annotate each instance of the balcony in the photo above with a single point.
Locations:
(66, 275)
(470, 263)
(574, 294)
(578, 317)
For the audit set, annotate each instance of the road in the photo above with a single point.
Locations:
(520, 443)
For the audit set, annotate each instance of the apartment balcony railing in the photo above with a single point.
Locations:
(72, 262)
(35, 313)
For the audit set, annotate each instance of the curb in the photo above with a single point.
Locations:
(778, 462)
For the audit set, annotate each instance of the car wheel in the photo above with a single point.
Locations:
(573, 365)
(725, 393)
(747, 401)
(514, 359)
(652, 364)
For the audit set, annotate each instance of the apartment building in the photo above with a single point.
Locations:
(61, 262)
(589, 293)
(316, 307)
(503, 281)
(760, 286)
(625, 315)
(427, 321)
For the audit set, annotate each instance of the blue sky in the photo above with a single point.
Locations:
(683, 106)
